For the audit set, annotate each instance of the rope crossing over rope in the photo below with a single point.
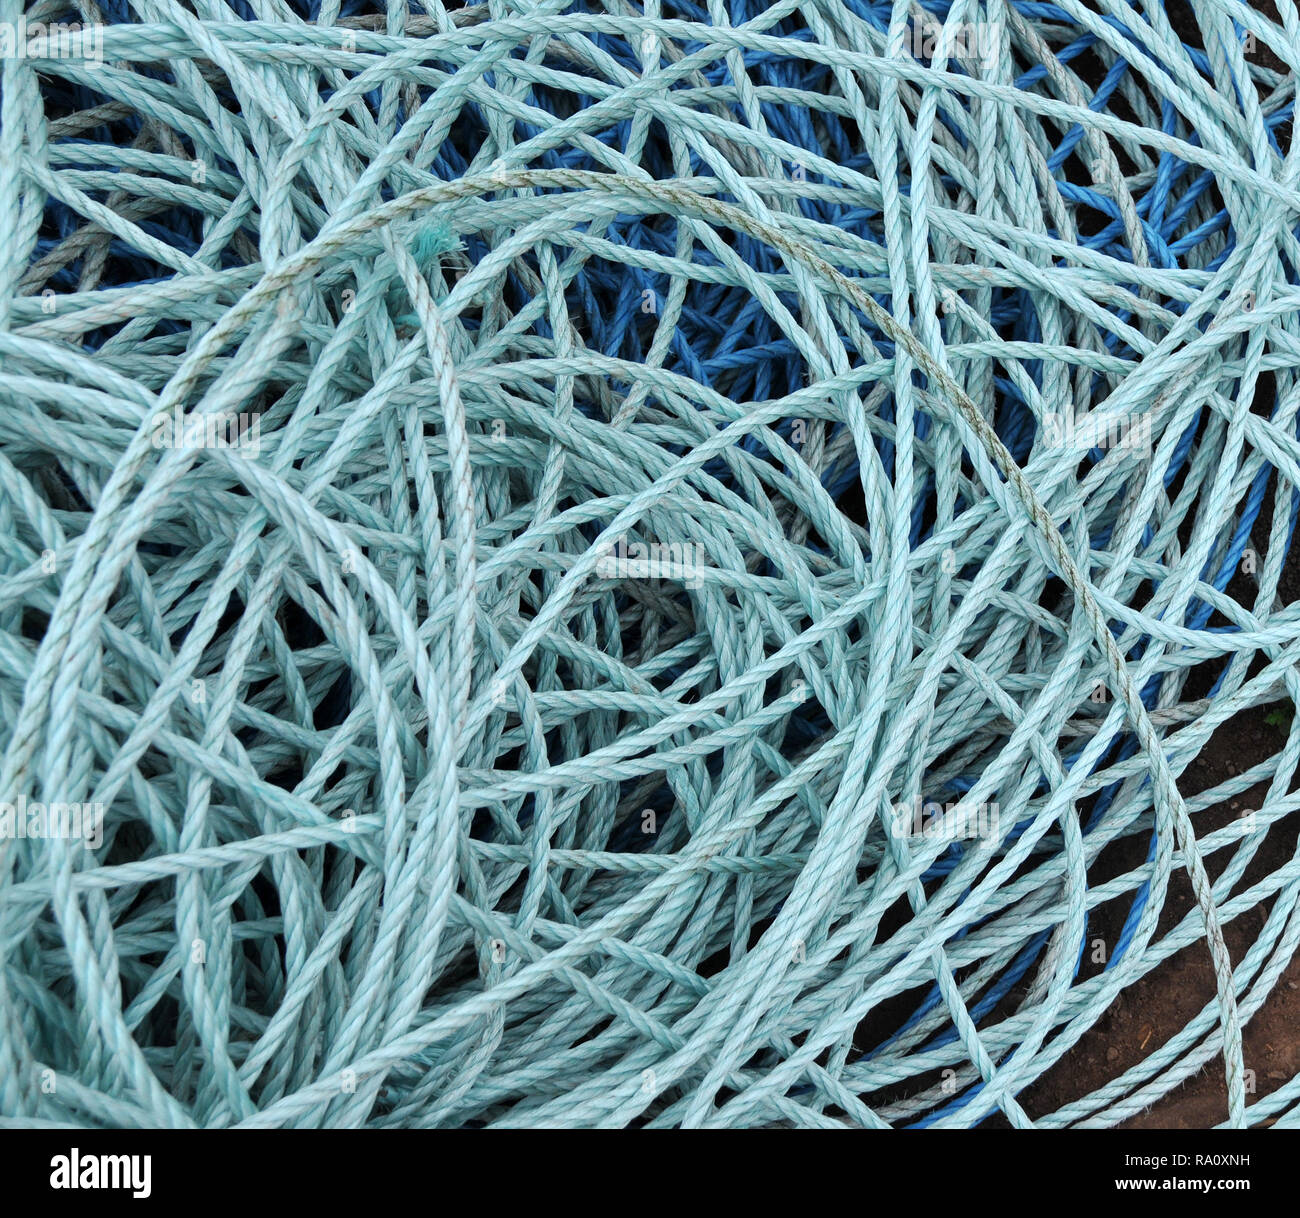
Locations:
(639, 564)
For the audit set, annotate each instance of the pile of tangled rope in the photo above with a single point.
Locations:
(620, 562)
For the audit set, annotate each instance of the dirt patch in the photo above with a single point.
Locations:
(1158, 1007)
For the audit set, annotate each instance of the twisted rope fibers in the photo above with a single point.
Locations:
(430, 799)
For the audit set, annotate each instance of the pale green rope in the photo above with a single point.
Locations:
(657, 472)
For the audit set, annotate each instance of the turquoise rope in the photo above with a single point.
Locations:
(429, 797)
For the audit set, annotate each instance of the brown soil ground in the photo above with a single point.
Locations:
(1147, 1014)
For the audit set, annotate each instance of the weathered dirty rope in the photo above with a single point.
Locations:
(517, 519)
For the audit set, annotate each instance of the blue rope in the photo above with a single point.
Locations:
(508, 511)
